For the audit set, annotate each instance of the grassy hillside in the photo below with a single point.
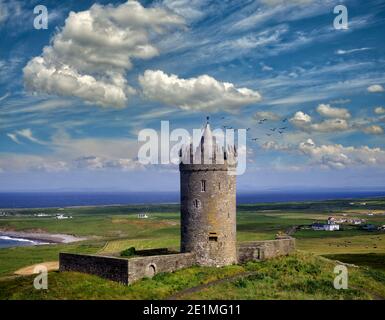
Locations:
(115, 228)
(300, 276)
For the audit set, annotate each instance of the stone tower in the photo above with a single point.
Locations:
(208, 201)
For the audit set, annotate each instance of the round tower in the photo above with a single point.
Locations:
(208, 201)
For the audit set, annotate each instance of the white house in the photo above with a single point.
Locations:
(332, 227)
(325, 226)
(61, 217)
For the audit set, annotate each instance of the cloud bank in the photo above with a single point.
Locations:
(338, 157)
(200, 93)
(89, 57)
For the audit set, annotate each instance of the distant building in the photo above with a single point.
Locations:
(41, 214)
(142, 215)
(325, 227)
(62, 217)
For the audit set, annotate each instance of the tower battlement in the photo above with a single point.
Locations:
(210, 151)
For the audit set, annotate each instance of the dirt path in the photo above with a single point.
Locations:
(26, 271)
(180, 294)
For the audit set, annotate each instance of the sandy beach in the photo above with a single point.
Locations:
(42, 237)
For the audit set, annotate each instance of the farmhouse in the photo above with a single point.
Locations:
(329, 226)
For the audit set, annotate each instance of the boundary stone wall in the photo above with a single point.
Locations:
(263, 250)
(129, 270)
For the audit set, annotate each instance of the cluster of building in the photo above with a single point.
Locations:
(333, 224)
(355, 221)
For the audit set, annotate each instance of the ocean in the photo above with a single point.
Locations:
(65, 199)
(7, 242)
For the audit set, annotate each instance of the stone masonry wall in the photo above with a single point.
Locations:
(208, 217)
(262, 250)
(151, 265)
(111, 268)
(124, 270)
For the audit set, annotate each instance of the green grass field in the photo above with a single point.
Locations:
(300, 276)
(112, 229)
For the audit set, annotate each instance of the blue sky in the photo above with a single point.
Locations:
(74, 97)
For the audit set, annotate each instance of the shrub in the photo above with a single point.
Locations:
(128, 252)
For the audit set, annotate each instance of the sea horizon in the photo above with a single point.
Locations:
(57, 199)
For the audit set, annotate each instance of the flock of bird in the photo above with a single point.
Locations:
(280, 130)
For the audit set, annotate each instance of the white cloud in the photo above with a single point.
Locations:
(265, 67)
(338, 157)
(304, 122)
(379, 110)
(27, 134)
(376, 88)
(272, 145)
(23, 133)
(301, 119)
(267, 115)
(3, 12)
(330, 125)
(70, 154)
(201, 93)
(89, 57)
(373, 129)
(4, 96)
(351, 50)
(189, 10)
(95, 163)
(52, 166)
(327, 111)
(13, 137)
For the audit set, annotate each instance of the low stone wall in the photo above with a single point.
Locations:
(151, 265)
(124, 270)
(111, 268)
(262, 250)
